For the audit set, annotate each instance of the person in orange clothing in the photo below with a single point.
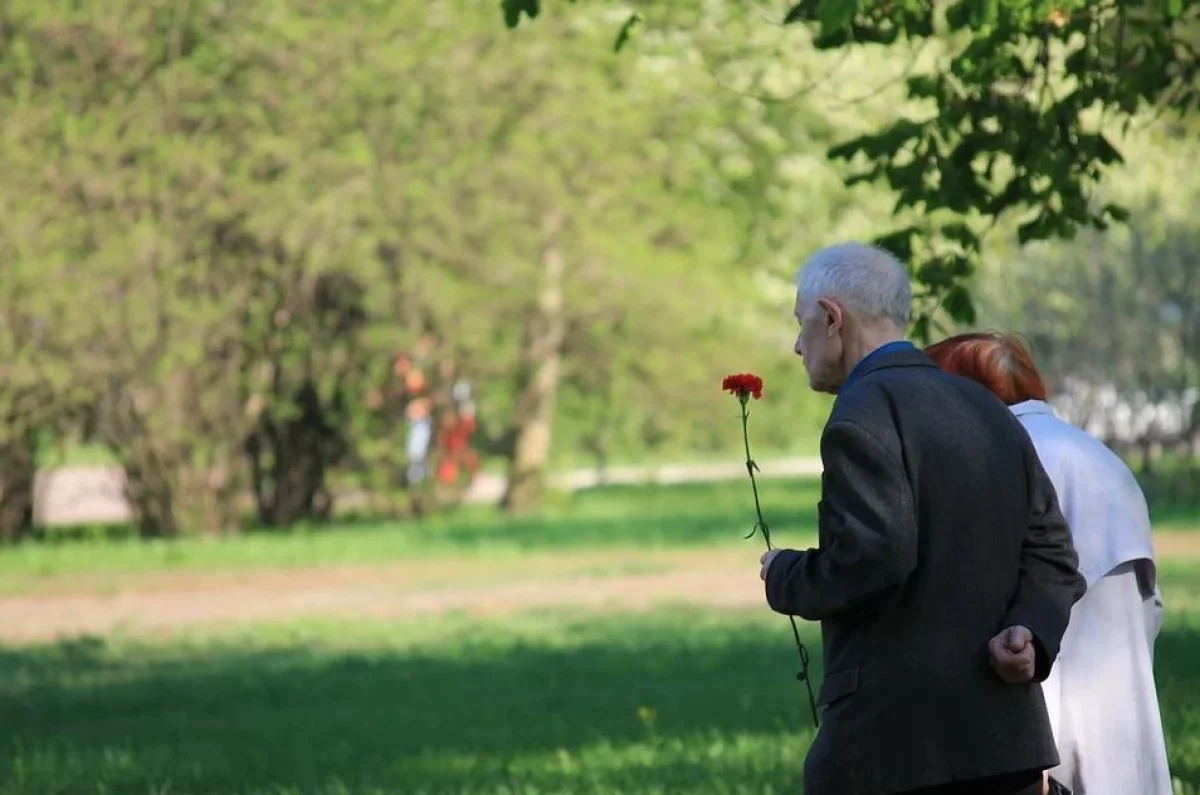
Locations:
(454, 438)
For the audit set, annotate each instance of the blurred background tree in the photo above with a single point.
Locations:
(1010, 112)
(224, 225)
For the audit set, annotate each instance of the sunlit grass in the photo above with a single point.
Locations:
(674, 701)
(679, 516)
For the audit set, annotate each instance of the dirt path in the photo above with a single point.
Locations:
(152, 604)
(149, 604)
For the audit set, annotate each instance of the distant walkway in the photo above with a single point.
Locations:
(95, 494)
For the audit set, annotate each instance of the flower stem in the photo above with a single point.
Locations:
(802, 650)
(750, 466)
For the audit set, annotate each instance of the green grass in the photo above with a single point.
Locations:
(688, 515)
(672, 701)
(543, 704)
(58, 454)
(1175, 510)
(645, 516)
(1173, 492)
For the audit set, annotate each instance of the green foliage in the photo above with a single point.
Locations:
(1014, 119)
(223, 222)
(1011, 118)
(513, 9)
(1118, 311)
(259, 218)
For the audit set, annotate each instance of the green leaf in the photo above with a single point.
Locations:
(986, 12)
(514, 8)
(1172, 8)
(836, 14)
(1116, 212)
(959, 15)
(899, 243)
(962, 234)
(801, 12)
(958, 304)
(920, 329)
(626, 30)
(1039, 227)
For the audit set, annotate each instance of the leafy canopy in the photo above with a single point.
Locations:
(1018, 116)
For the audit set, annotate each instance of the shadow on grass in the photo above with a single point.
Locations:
(618, 705)
(1176, 513)
(1177, 673)
(613, 706)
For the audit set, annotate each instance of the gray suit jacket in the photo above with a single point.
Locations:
(937, 529)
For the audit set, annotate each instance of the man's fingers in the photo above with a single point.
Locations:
(1014, 674)
(1011, 656)
(1018, 638)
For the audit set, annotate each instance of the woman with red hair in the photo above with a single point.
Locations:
(1101, 695)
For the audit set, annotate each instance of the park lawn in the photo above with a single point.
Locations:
(682, 516)
(671, 700)
(614, 517)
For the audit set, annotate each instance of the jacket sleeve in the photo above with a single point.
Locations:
(868, 528)
(1049, 583)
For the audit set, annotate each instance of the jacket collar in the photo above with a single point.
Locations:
(1028, 407)
(888, 357)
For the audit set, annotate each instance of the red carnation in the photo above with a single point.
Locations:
(743, 385)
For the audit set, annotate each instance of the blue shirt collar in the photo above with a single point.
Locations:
(887, 347)
(1027, 407)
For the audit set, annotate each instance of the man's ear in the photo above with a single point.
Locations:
(833, 314)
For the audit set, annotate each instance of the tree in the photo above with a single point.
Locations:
(1114, 319)
(37, 392)
(197, 223)
(1013, 115)
(223, 276)
(544, 234)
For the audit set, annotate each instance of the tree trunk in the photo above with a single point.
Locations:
(168, 490)
(149, 491)
(18, 467)
(537, 379)
(289, 461)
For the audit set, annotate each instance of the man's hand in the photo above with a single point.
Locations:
(766, 560)
(1012, 655)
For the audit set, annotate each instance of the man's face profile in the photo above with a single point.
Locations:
(818, 345)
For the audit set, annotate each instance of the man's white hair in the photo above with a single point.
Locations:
(868, 281)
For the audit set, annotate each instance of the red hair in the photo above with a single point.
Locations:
(999, 361)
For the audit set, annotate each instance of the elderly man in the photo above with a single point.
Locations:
(944, 576)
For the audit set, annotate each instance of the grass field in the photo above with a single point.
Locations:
(680, 692)
(689, 515)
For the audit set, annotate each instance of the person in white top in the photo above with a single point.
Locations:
(1101, 695)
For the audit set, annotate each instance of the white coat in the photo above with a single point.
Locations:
(1101, 695)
